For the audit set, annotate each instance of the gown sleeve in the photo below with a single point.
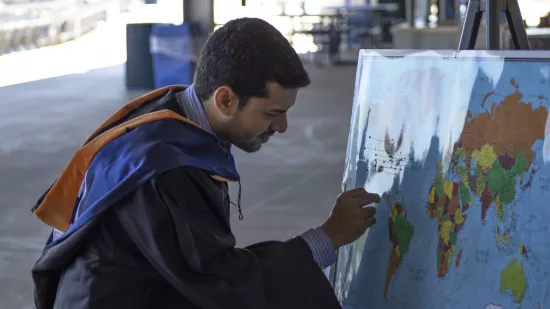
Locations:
(178, 222)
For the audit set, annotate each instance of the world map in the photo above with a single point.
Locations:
(458, 146)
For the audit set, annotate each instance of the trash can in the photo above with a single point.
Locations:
(174, 53)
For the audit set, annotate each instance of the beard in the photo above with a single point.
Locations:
(249, 147)
(253, 145)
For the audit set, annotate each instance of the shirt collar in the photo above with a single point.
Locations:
(194, 111)
(193, 108)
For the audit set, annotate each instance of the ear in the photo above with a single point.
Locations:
(226, 101)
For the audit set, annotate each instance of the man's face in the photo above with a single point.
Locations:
(249, 127)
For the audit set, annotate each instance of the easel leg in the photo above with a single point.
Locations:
(515, 23)
(470, 30)
(492, 11)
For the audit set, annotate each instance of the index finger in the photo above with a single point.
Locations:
(368, 198)
(355, 192)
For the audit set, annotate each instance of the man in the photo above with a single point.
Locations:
(141, 212)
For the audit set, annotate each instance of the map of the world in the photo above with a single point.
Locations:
(457, 144)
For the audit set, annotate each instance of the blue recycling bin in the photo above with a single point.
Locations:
(173, 52)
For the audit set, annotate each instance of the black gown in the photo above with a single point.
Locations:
(168, 244)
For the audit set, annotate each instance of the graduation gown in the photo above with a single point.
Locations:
(140, 219)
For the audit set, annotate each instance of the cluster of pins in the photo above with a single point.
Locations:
(387, 160)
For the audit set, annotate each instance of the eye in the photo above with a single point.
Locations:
(271, 115)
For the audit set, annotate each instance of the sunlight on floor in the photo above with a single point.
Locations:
(106, 46)
(99, 49)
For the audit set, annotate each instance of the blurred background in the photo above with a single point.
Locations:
(66, 65)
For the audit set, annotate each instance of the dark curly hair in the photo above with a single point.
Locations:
(245, 54)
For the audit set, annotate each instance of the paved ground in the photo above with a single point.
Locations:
(288, 187)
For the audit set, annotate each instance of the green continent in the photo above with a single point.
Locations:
(520, 164)
(439, 185)
(404, 232)
(453, 238)
(462, 170)
(496, 177)
(460, 153)
(480, 185)
(439, 213)
(465, 196)
(502, 182)
(513, 278)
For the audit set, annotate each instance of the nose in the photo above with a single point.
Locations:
(280, 124)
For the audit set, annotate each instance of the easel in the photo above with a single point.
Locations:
(492, 8)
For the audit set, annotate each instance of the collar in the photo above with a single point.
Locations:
(192, 106)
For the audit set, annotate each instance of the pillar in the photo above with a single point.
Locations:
(200, 12)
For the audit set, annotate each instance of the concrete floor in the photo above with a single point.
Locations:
(287, 187)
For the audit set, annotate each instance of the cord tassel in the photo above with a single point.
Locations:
(239, 202)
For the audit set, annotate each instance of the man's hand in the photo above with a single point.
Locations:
(348, 219)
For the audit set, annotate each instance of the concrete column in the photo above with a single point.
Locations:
(200, 12)
(442, 8)
(409, 15)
